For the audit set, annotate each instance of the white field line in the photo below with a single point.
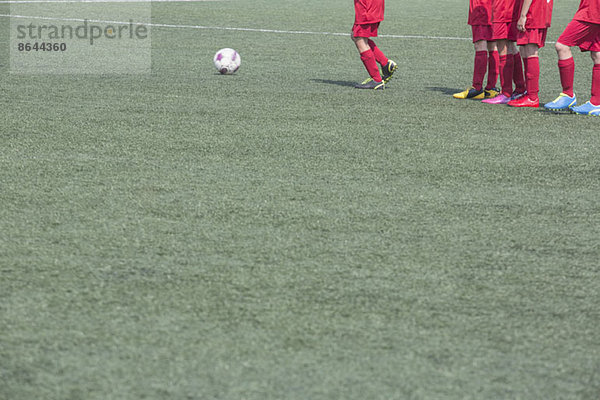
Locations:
(102, 1)
(224, 28)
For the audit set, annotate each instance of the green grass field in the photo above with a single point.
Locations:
(277, 234)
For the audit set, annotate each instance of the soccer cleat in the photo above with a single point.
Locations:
(500, 99)
(517, 95)
(370, 84)
(491, 93)
(369, 79)
(524, 101)
(587, 109)
(388, 70)
(470, 93)
(562, 102)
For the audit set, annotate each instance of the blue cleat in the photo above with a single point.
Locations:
(562, 102)
(587, 109)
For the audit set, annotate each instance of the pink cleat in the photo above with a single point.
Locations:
(500, 99)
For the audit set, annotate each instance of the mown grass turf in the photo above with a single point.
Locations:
(278, 234)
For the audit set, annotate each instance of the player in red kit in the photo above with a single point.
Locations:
(583, 31)
(368, 16)
(486, 54)
(533, 24)
(504, 27)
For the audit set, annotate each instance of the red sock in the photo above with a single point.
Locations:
(567, 75)
(368, 58)
(518, 76)
(481, 61)
(493, 62)
(379, 56)
(532, 71)
(506, 74)
(595, 100)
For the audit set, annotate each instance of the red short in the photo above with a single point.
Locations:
(504, 30)
(481, 32)
(532, 36)
(585, 35)
(365, 30)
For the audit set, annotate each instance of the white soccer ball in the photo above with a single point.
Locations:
(227, 61)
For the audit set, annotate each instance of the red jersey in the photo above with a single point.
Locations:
(589, 11)
(368, 11)
(480, 12)
(539, 15)
(504, 11)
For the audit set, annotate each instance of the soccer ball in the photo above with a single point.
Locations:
(227, 61)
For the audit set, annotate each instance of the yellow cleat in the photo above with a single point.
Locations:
(491, 93)
(470, 93)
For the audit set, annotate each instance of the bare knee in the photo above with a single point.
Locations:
(596, 57)
(502, 46)
(481, 45)
(563, 51)
(529, 50)
(362, 44)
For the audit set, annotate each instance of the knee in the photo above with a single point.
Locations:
(359, 40)
(480, 45)
(529, 50)
(596, 57)
(561, 49)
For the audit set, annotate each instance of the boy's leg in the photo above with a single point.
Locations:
(379, 56)
(572, 34)
(481, 35)
(479, 70)
(497, 66)
(387, 66)
(480, 66)
(518, 76)
(566, 67)
(592, 107)
(506, 68)
(506, 73)
(493, 66)
(595, 100)
(530, 53)
(367, 57)
(531, 62)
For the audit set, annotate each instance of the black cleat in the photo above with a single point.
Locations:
(370, 84)
(388, 70)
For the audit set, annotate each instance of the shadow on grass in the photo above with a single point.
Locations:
(444, 90)
(542, 110)
(339, 83)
